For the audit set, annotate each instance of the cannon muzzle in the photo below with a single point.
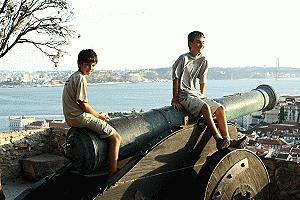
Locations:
(88, 153)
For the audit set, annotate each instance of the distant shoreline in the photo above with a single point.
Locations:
(128, 82)
(12, 79)
(91, 84)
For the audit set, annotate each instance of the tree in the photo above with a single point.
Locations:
(45, 24)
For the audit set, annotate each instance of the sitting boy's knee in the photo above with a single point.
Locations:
(205, 108)
(220, 110)
(119, 138)
(116, 137)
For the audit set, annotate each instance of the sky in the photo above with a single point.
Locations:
(139, 34)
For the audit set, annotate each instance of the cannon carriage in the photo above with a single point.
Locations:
(164, 154)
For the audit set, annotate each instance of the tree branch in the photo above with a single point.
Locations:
(3, 6)
(26, 21)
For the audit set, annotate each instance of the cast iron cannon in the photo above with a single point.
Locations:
(164, 154)
(88, 152)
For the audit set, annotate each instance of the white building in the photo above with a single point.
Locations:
(37, 125)
(17, 123)
(292, 112)
(284, 156)
(245, 121)
(272, 116)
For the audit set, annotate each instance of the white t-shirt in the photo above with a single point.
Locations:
(188, 69)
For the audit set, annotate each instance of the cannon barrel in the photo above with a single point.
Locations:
(87, 152)
(262, 98)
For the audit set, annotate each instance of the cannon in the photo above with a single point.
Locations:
(88, 152)
(164, 154)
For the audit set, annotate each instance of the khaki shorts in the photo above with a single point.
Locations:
(95, 124)
(193, 104)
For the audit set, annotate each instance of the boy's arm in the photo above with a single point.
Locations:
(86, 107)
(202, 88)
(175, 101)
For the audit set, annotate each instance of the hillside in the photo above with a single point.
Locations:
(48, 78)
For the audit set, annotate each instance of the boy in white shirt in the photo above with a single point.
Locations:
(185, 71)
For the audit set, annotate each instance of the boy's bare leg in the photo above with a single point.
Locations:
(113, 152)
(207, 116)
(221, 143)
(223, 127)
(222, 121)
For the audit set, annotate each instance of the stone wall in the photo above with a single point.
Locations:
(284, 175)
(284, 178)
(15, 146)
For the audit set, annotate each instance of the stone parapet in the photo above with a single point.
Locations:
(15, 146)
(284, 178)
(18, 146)
(37, 167)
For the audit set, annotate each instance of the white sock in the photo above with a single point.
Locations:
(227, 137)
(217, 136)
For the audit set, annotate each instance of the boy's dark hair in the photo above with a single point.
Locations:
(194, 34)
(87, 56)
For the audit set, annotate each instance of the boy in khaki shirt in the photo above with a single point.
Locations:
(79, 113)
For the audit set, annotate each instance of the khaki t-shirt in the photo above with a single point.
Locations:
(75, 90)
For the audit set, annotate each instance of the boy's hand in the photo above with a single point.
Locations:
(176, 105)
(104, 116)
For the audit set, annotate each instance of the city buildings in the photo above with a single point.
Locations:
(275, 133)
(18, 123)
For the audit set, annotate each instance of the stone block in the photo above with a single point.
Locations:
(37, 167)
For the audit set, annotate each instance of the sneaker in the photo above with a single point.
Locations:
(222, 143)
(240, 143)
